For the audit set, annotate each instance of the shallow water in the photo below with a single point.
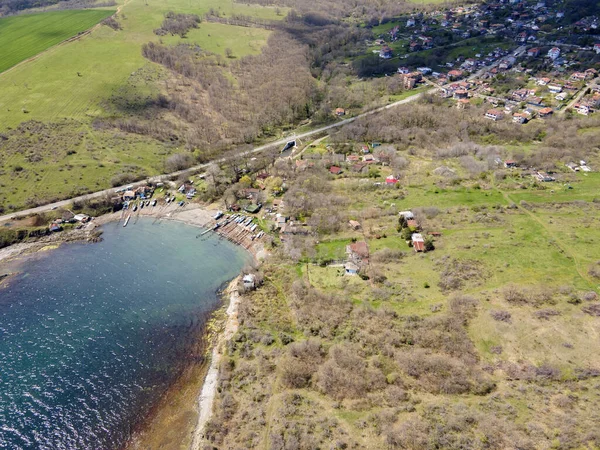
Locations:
(92, 334)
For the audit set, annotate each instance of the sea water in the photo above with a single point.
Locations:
(91, 335)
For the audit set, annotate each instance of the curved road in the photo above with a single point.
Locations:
(157, 178)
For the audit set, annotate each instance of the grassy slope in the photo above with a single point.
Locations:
(49, 87)
(22, 37)
(74, 80)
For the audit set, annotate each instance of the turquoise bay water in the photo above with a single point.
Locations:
(92, 334)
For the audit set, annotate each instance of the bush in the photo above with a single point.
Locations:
(347, 375)
(302, 361)
(501, 316)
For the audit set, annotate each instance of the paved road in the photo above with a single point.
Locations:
(198, 168)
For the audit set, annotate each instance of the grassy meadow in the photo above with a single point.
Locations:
(72, 81)
(24, 36)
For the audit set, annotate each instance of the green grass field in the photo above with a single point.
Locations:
(22, 37)
(72, 80)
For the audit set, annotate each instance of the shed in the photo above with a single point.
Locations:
(418, 242)
(351, 268)
(354, 224)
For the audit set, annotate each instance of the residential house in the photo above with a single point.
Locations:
(545, 112)
(455, 74)
(81, 218)
(510, 164)
(544, 177)
(358, 252)
(461, 94)
(385, 52)
(350, 268)
(336, 170)
(582, 109)
(410, 22)
(555, 88)
(340, 112)
(533, 52)
(578, 76)
(494, 114)
(543, 81)
(418, 242)
(249, 281)
(519, 118)
(391, 179)
(554, 53)
(463, 103)
(597, 48)
(406, 214)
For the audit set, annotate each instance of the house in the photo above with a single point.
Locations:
(412, 224)
(554, 53)
(340, 112)
(249, 281)
(354, 224)
(545, 112)
(406, 214)
(533, 52)
(454, 74)
(519, 118)
(352, 158)
(494, 114)
(358, 252)
(336, 170)
(461, 94)
(418, 242)
(424, 70)
(544, 177)
(128, 195)
(350, 268)
(509, 164)
(55, 227)
(403, 70)
(81, 218)
(391, 179)
(462, 103)
(543, 81)
(385, 52)
(582, 109)
(555, 88)
(597, 48)
(578, 76)
(410, 22)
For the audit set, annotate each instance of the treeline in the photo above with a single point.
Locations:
(224, 104)
(177, 24)
(240, 20)
(422, 128)
(9, 7)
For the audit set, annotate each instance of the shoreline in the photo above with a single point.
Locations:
(207, 395)
(186, 407)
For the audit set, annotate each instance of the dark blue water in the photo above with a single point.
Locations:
(92, 334)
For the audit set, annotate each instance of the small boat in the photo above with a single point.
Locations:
(126, 221)
(135, 207)
(153, 203)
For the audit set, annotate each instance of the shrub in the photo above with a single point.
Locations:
(501, 316)
(302, 361)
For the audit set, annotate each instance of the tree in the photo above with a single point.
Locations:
(429, 244)
(229, 52)
(406, 234)
(245, 181)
